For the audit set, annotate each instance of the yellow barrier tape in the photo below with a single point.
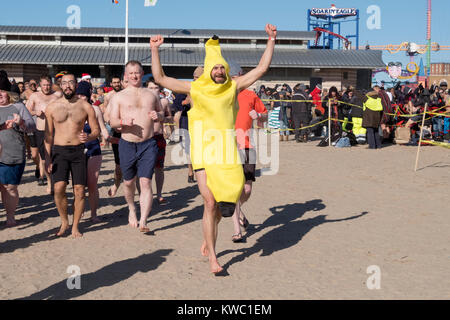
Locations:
(436, 143)
(289, 129)
(354, 105)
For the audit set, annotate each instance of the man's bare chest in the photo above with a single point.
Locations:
(43, 101)
(65, 114)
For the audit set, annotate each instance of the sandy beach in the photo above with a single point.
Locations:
(316, 227)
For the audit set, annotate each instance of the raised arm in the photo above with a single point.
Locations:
(249, 78)
(158, 73)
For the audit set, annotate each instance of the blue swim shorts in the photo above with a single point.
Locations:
(11, 173)
(137, 158)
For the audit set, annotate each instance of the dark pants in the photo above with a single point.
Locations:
(301, 119)
(373, 138)
(317, 130)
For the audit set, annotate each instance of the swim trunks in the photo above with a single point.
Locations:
(92, 147)
(69, 159)
(32, 138)
(115, 147)
(248, 158)
(137, 158)
(161, 143)
(11, 173)
(40, 138)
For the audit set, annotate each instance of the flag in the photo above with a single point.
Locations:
(150, 3)
(115, 1)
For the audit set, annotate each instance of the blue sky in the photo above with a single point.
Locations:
(401, 20)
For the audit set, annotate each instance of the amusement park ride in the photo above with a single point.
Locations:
(326, 21)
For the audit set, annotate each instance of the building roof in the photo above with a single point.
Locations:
(114, 55)
(142, 33)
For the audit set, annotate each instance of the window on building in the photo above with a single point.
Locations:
(82, 39)
(345, 75)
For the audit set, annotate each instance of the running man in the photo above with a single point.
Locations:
(134, 110)
(64, 146)
(160, 141)
(37, 104)
(250, 108)
(214, 97)
(117, 85)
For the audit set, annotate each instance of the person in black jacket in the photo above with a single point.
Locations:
(336, 110)
(301, 113)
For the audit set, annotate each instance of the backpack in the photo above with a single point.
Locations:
(334, 137)
(343, 142)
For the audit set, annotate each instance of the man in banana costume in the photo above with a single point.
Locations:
(212, 118)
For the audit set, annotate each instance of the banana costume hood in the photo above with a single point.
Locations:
(211, 128)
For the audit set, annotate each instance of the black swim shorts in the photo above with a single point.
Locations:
(40, 138)
(248, 158)
(69, 159)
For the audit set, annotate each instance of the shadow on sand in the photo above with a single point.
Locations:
(288, 230)
(104, 277)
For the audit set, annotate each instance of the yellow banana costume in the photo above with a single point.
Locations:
(211, 128)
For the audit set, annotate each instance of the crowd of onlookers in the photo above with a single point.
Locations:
(379, 115)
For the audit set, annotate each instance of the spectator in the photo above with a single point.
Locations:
(333, 99)
(301, 113)
(355, 118)
(372, 114)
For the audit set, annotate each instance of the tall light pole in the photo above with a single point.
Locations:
(126, 33)
(429, 39)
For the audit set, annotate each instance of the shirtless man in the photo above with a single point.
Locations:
(32, 88)
(218, 74)
(117, 85)
(64, 146)
(134, 110)
(160, 141)
(36, 104)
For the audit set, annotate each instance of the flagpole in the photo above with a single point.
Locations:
(126, 33)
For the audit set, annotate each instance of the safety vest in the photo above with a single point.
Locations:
(358, 130)
(373, 104)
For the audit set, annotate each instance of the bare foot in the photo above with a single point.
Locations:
(11, 223)
(215, 266)
(143, 227)
(49, 189)
(63, 229)
(204, 249)
(112, 191)
(76, 233)
(95, 219)
(132, 220)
